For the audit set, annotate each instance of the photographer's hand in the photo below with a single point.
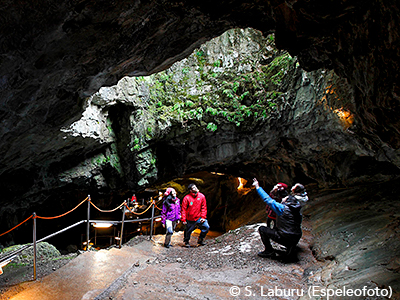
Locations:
(255, 183)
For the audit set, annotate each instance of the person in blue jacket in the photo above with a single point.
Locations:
(287, 231)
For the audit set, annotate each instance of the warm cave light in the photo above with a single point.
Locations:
(344, 115)
(215, 173)
(242, 182)
(158, 220)
(241, 188)
(102, 225)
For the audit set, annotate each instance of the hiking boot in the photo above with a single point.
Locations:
(200, 242)
(266, 254)
(187, 245)
(167, 245)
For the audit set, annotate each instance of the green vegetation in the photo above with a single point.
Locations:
(44, 251)
(206, 91)
(110, 157)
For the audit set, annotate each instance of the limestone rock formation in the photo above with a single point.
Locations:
(54, 55)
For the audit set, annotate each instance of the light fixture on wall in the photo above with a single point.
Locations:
(102, 225)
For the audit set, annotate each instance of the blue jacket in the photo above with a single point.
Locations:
(289, 218)
(277, 207)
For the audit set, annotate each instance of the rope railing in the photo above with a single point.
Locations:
(83, 201)
(154, 201)
(107, 211)
(156, 205)
(141, 213)
(31, 216)
(62, 215)
(10, 256)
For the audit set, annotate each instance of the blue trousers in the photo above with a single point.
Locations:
(191, 225)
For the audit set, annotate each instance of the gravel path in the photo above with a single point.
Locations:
(210, 271)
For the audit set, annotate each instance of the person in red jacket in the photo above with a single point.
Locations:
(277, 193)
(194, 214)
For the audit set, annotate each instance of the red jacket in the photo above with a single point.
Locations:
(193, 208)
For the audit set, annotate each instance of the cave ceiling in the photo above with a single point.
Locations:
(54, 54)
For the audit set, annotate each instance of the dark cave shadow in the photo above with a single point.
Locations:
(284, 257)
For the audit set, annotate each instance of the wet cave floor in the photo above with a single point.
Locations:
(226, 264)
(350, 239)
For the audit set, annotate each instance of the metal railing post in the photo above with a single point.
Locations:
(152, 219)
(34, 246)
(122, 225)
(88, 224)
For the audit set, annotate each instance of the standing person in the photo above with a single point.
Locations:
(287, 231)
(170, 214)
(278, 192)
(194, 214)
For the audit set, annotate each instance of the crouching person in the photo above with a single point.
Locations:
(287, 231)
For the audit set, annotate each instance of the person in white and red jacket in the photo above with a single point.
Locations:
(277, 193)
(194, 214)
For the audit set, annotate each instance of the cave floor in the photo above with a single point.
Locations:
(354, 236)
(144, 269)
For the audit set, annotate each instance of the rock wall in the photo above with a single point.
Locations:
(53, 55)
(172, 124)
(356, 235)
(236, 105)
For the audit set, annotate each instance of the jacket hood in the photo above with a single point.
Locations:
(303, 198)
(293, 203)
